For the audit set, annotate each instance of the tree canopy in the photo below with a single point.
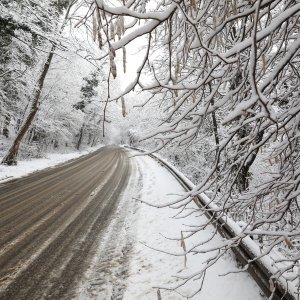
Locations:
(234, 64)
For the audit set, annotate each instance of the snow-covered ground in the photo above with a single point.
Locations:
(150, 269)
(129, 268)
(25, 167)
(125, 267)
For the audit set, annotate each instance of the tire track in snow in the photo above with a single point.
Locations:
(45, 251)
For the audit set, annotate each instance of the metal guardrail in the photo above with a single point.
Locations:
(256, 269)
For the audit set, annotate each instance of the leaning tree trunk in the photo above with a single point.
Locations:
(11, 157)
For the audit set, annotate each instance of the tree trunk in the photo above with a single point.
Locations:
(215, 128)
(215, 123)
(216, 133)
(11, 157)
(80, 137)
(5, 130)
(90, 138)
(94, 141)
(243, 180)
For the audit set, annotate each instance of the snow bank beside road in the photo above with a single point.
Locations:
(26, 167)
(150, 269)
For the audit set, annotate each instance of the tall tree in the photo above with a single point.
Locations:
(50, 14)
(88, 92)
(16, 60)
(237, 61)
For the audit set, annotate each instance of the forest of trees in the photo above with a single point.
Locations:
(51, 87)
(220, 97)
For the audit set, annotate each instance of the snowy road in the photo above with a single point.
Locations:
(50, 223)
(77, 232)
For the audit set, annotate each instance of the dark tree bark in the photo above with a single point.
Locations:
(243, 179)
(80, 137)
(215, 123)
(215, 128)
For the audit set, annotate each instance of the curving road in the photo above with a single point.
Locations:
(49, 222)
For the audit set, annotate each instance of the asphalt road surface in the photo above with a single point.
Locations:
(49, 222)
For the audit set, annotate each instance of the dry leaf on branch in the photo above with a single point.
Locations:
(124, 59)
(123, 107)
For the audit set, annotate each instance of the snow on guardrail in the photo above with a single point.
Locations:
(261, 268)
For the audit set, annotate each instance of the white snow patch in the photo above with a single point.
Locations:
(150, 269)
(29, 166)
